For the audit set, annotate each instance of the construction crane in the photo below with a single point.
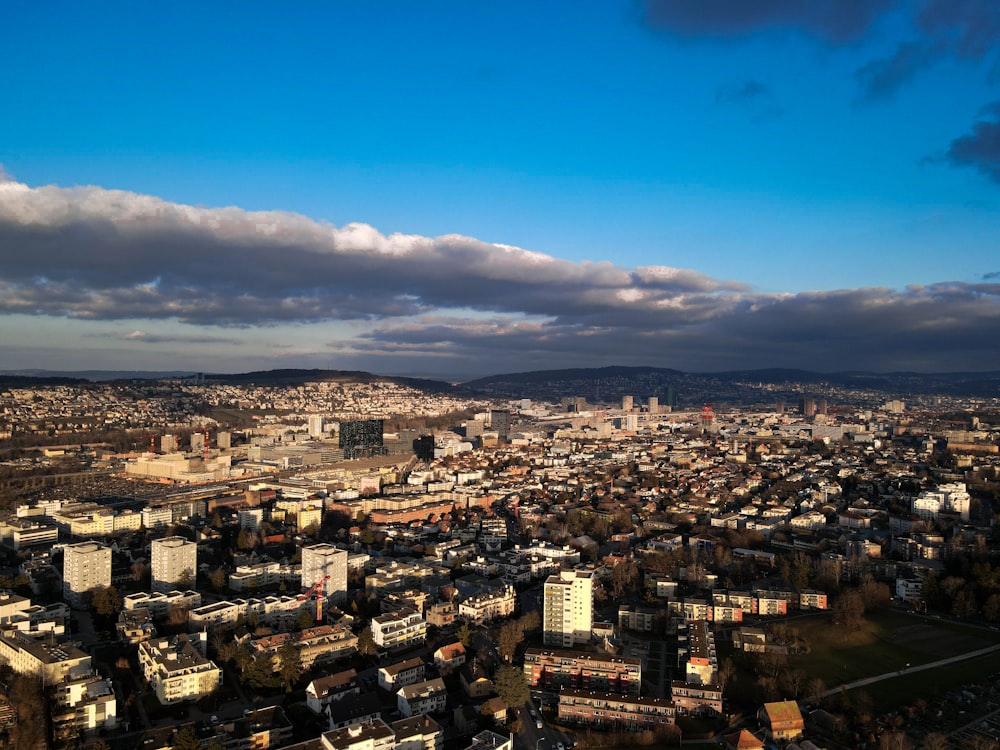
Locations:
(319, 589)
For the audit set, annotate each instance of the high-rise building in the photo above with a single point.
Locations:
(174, 563)
(807, 406)
(223, 440)
(627, 402)
(315, 425)
(86, 566)
(500, 422)
(321, 560)
(168, 444)
(568, 608)
(197, 442)
(361, 437)
(654, 405)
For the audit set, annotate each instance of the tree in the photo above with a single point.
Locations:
(186, 739)
(511, 685)
(936, 741)
(106, 601)
(848, 610)
(289, 665)
(366, 641)
(510, 636)
(306, 619)
(624, 578)
(186, 579)
(464, 634)
(218, 579)
(140, 571)
(816, 690)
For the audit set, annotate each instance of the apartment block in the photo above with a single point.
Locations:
(610, 711)
(174, 562)
(86, 566)
(568, 608)
(395, 631)
(177, 668)
(560, 668)
(320, 561)
(430, 696)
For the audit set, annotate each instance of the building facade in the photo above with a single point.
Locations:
(174, 563)
(568, 608)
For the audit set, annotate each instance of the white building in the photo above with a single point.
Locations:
(422, 698)
(321, 560)
(174, 562)
(177, 668)
(86, 566)
(568, 608)
(399, 630)
(953, 498)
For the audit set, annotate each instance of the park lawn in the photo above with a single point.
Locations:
(890, 694)
(886, 642)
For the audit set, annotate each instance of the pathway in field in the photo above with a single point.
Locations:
(918, 668)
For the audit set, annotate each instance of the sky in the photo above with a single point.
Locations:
(456, 189)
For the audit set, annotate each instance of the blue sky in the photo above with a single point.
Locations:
(825, 175)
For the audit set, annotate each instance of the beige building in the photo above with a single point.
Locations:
(86, 566)
(568, 608)
(177, 668)
(174, 559)
(321, 560)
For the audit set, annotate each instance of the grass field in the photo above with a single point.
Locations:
(889, 641)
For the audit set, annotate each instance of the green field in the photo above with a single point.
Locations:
(888, 642)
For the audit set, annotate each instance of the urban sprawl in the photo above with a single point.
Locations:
(346, 565)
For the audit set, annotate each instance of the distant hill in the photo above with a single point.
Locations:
(609, 384)
(98, 376)
(298, 377)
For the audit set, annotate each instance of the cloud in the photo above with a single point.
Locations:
(450, 304)
(971, 28)
(991, 275)
(833, 21)
(881, 78)
(980, 148)
(741, 92)
(5, 176)
(157, 338)
(100, 254)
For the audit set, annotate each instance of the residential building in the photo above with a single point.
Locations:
(489, 605)
(86, 566)
(372, 734)
(418, 733)
(430, 696)
(82, 704)
(612, 711)
(568, 608)
(177, 668)
(395, 631)
(323, 691)
(783, 720)
(174, 563)
(695, 699)
(449, 657)
(320, 561)
(160, 604)
(53, 662)
(394, 676)
(558, 668)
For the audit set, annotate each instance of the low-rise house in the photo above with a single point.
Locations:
(496, 710)
(373, 734)
(354, 709)
(474, 681)
(323, 691)
(450, 656)
(426, 697)
(418, 733)
(407, 672)
(135, 626)
(782, 719)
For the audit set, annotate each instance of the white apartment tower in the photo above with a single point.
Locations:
(568, 608)
(316, 426)
(86, 566)
(173, 557)
(323, 560)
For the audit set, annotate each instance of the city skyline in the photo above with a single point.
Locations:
(451, 192)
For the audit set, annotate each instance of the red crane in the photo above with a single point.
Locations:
(318, 589)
